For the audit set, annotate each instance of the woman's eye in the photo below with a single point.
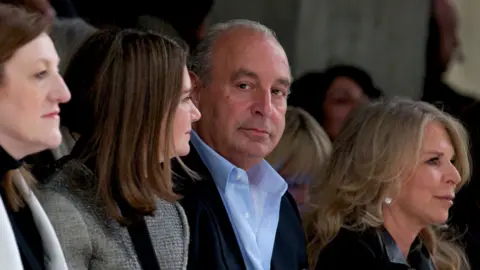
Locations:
(40, 75)
(434, 161)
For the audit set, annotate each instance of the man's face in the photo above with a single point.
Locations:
(244, 104)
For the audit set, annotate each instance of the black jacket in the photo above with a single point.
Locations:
(373, 249)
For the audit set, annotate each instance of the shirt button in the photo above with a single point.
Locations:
(246, 215)
(239, 177)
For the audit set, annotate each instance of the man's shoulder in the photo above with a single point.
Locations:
(289, 205)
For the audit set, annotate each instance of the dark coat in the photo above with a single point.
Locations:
(213, 243)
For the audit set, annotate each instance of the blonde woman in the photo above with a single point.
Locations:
(299, 156)
(386, 192)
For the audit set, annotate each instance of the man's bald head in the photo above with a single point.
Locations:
(201, 63)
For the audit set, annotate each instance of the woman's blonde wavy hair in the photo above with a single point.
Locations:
(304, 146)
(380, 142)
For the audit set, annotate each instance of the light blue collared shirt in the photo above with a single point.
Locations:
(252, 200)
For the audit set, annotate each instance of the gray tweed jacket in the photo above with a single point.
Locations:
(92, 240)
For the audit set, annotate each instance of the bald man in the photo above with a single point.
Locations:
(240, 213)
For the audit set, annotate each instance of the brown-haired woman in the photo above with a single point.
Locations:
(111, 201)
(387, 189)
(30, 93)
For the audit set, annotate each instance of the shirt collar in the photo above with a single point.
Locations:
(261, 175)
(418, 256)
(267, 179)
(218, 166)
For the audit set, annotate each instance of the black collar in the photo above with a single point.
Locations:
(7, 162)
(418, 256)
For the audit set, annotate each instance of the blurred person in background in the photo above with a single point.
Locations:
(442, 46)
(301, 153)
(187, 17)
(330, 96)
(31, 90)
(387, 189)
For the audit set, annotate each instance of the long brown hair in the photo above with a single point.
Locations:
(17, 28)
(378, 145)
(126, 86)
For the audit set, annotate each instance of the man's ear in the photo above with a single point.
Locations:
(196, 87)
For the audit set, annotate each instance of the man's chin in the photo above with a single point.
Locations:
(258, 150)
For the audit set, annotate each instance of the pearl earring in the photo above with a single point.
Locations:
(388, 200)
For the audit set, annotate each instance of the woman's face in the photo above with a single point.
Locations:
(31, 90)
(340, 99)
(427, 195)
(185, 115)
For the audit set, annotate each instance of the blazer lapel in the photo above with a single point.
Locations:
(225, 226)
(54, 258)
(289, 251)
(9, 253)
(205, 187)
